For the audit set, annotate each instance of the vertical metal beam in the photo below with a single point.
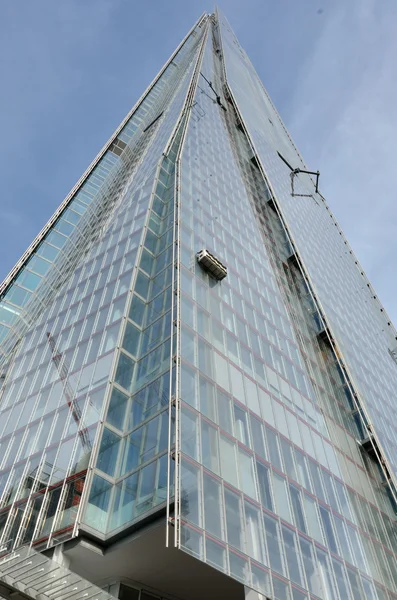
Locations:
(174, 400)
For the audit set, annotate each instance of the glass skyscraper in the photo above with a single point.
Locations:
(198, 382)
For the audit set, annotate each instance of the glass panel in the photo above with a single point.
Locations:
(213, 514)
(292, 555)
(281, 497)
(108, 452)
(264, 485)
(131, 338)
(228, 460)
(125, 371)
(209, 444)
(234, 529)
(117, 408)
(274, 544)
(96, 513)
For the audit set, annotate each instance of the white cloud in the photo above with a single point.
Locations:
(343, 117)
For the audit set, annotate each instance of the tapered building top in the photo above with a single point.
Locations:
(198, 382)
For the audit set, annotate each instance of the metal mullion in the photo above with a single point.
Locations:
(6, 487)
(27, 513)
(61, 503)
(44, 504)
(189, 103)
(12, 515)
(66, 483)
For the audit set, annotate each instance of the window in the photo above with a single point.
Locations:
(131, 339)
(288, 456)
(228, 460)
(329, 531)
(326, 574)
(108, 452)
(240, 425)
(343, 541)
(317, 482)
(257, 437)
(253, 528)
(281, 497)
(297, 508)
(213, 514)
(235, 534)
(117, 146)
(125, 371)
(312, 518)
(273, 544)
(247, 478)
(98, 503)
(264, 485)
(302, 470)
(191, 494)
(292, 555)
(128, 593)
(209, 447)
(224, 412)
(274, 451)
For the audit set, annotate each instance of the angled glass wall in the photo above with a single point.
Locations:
(66, 335)
(273, 487)
(364, 334)
(131, 472)
(34, 282)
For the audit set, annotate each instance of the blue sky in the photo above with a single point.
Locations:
(70, 70)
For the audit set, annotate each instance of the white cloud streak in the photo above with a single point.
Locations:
(343, 117)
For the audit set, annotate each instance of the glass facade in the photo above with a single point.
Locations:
(272, 486)
(256, 412)
(363, 333)
(63, 372)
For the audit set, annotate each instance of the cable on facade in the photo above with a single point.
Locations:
(218, 98)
